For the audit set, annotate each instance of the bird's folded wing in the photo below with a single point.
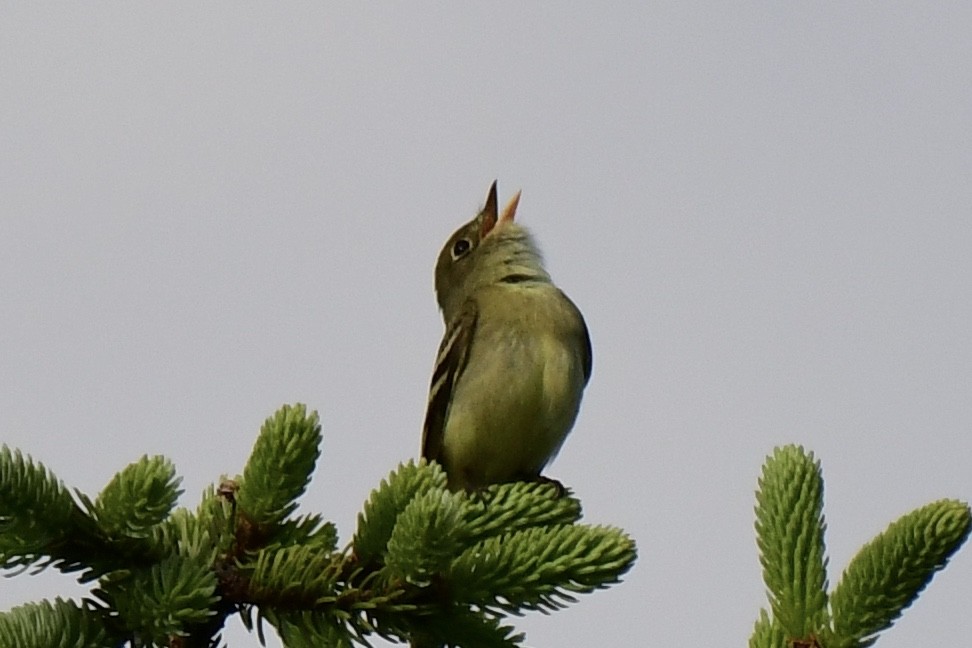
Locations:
(449, 365)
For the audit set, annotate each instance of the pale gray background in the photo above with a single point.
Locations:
(763, 209)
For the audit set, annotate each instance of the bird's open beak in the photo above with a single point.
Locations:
(490, 215)
(510, 211)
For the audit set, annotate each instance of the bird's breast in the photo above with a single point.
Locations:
(516, 400)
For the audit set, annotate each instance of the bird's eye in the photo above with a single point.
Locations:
(460, 248)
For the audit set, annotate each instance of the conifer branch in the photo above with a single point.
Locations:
(881, 581)
(425, 563)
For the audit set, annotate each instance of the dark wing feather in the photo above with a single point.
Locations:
(584, 337)
(588, 353)
(450, 363)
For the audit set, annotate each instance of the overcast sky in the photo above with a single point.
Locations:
(764, 211)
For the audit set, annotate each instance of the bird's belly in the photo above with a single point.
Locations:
(510, 429)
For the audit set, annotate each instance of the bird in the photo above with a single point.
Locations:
(514, 360)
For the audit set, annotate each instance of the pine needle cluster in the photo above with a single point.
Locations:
(883, 579)
(425, 564)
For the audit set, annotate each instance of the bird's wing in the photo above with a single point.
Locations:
(450, 363)
(588, 353)
(583, 339)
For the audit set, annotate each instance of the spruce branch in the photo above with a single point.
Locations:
(280, 465)
(431, 523)
(296, 576)
(463, 627)
(517, 506)
(42, 525)
(163, 601)
(889, 572)
(37, 513)
(790, 534)
(57, 624)
(539, 568)
(377, 521)
(424, 564)
(138, 498)
(767, 633)
(881, 581)
(308, 630)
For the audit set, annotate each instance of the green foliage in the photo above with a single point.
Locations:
(37, 514)
(790, 534)
(377, 521)
(517, 506)
(767, 634)
(308, 630)
(539, 568)
(427, 535)
(61, 624)
(301, 574)
(881, 581)
(462, 561)
(165, 600)
(138, 498)
(887, 575)
(463, 627)
(280, 465)
(425, 564)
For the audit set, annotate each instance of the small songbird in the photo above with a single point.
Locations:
(513, 362)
